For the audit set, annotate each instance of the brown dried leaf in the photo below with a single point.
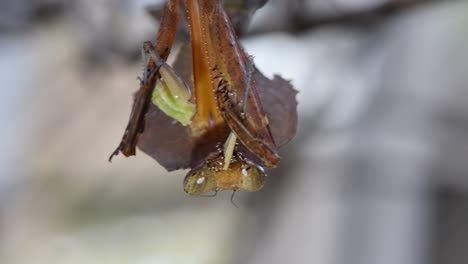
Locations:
(278, 97)
(173, 147)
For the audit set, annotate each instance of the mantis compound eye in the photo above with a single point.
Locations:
(200, 181)
(253, 178)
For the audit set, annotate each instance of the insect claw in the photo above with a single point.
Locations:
(115, 153)
(232, 199)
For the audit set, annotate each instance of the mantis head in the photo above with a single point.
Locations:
(211, 177)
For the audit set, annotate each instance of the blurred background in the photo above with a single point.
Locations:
(377, 173)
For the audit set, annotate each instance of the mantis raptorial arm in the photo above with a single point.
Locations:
(167, 29)
(232, 138)
(142, 99)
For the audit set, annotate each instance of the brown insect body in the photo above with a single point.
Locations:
(227, 102)
(231, 80)
(208, 115)
(224, 87)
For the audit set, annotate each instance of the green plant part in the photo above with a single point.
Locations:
(171, 95)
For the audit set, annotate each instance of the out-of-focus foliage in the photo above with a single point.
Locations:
(376, 175)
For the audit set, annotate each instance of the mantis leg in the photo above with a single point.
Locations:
(163, 45)
(167, 29)
(231, 141)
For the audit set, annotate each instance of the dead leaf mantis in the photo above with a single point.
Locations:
(222, 113)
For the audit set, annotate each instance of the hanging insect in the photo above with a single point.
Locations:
(230, 118)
